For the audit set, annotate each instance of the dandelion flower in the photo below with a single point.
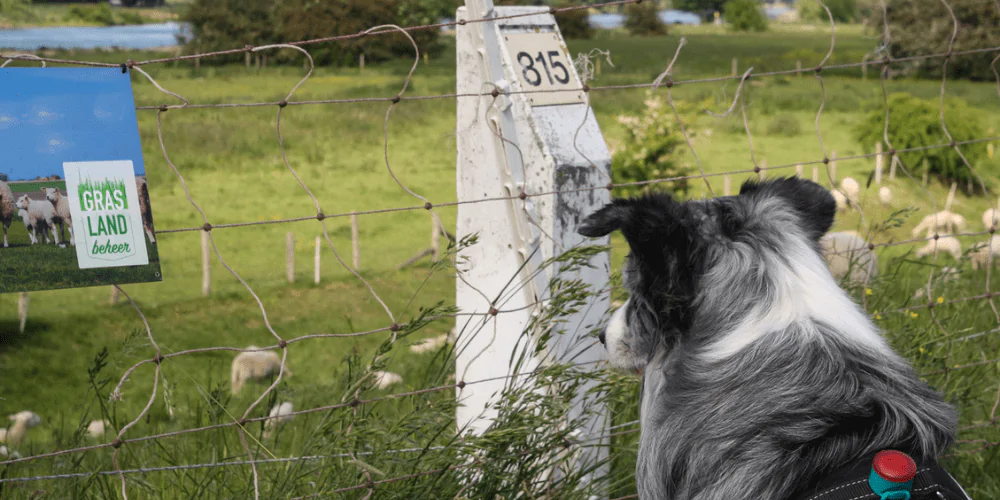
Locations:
(913, 314)
(868, 291)
(940, 300)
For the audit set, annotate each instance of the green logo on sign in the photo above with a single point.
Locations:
(105, 228)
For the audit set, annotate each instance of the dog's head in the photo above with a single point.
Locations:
(684, 254)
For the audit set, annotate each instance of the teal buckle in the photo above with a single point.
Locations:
(888, 490)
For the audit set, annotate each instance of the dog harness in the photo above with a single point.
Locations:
(886, 475)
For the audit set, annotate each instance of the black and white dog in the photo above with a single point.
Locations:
(762, 380)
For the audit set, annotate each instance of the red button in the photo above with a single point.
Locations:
(894, 466)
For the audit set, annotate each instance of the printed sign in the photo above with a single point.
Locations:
(543, 64)
(74, 204)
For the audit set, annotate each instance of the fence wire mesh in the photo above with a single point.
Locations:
(478, 322)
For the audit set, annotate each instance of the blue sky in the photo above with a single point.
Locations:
(52, 115)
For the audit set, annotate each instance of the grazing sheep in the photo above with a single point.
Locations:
(7, 209)
(949, 244)
(22, 421)
(885, 195)
(991, 218)
(257, 366)
(39, 211)
(36, 226)
(982, 251)
(851, 189)
(280, 415)
(62, 217)
(434, 343)
(144, 210)
(3, 435)
(943, 222)
(848, 255)
(97, 428)
(840, 199)
(385, 379)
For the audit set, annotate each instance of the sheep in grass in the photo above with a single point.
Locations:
(991, 218)
(383, 380)
(943, 222)
(39, 212)
(852, 190)
(62, 216)
(144, 209)
(885, 195)
(255, 366)
(20, 423)
(7, 209)
(840, 199)
(948, 244)
(279, 415)
(983, 252)
(36, 226)
(97, 428)
(847, 255)
(3, 435)
(434, 343)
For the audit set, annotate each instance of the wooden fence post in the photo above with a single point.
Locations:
(798, 68)
(951, 196)
(763, 170)
(833, 167)
(892, 167)
(206, 277)
(115, 293)
(798, 170)
(734, 67)
(816, 174)
(355, 244)
(727, 185)
(290, 257)
(316, 261)
(22, 311)
(878, 163)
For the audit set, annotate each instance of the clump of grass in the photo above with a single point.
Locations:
(784, 125)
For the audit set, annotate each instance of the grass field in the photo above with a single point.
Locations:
(233, 168)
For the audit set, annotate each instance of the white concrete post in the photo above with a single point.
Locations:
(537, 155)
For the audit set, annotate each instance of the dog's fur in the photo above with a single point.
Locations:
(760, 375)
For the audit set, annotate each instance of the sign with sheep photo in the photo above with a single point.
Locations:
(74, 204)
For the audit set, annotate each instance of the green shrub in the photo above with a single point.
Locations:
(924, 27)
(228, 24)
(650, 147)
(843, 11)
(785, 125)
(642, 20)
(96, 14)
(744, 15)
(914, 122)
(574, 24)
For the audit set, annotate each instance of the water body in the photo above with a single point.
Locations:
(612, 21)
(142, 36)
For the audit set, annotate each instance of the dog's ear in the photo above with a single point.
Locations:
(603, 222)
(813, 203)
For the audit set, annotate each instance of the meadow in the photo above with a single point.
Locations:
(77, 345)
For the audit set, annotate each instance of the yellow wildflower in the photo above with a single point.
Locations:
(868, 291)
(940, 300)
(913, 314)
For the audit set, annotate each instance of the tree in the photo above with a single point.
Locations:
(924, 27)
(843, 11)
(703, 7)
(229, 24)
(643, 20)
(744, 15)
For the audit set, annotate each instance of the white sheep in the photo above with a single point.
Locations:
(434, 343)
(981, 252)
(22, 421)
(39, 211)
(36, 226)
(62, 218)
(848, 255)
(991, 218)
(3, 435)
(7, 209)
(949, 244)
(885, 195)
(943, 222)
(851, 189)
(144, 209)
(385, 379)
(257, 366)
(840, 199)
(280, 414)
(97, 428)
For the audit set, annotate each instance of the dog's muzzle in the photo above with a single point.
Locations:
(602, 338)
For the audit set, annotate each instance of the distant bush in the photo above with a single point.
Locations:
(574, 24)
(650, 148)
(785, 125)
(744, 15)
(642, 19)
(914, 122)
(227, 24)
(924, 27)
(843, 11)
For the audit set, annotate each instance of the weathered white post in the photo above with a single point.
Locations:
(554, 137)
